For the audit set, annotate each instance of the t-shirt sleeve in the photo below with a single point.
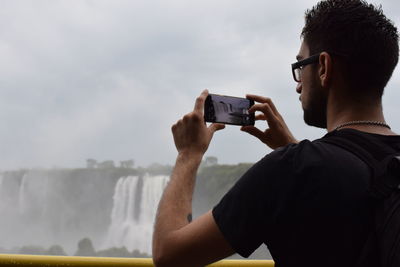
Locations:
(247, 213)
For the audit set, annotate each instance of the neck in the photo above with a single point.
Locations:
(340, 112)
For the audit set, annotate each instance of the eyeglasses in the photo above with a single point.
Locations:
(297, 67)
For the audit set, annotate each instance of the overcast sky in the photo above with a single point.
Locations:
(107, 79)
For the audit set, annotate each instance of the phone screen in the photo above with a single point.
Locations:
(228, 109)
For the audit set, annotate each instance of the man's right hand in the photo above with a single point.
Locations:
(278, 134)
(191, 134)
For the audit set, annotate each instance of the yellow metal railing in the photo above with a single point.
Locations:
(69, 261)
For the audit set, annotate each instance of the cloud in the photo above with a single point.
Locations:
(107, 79)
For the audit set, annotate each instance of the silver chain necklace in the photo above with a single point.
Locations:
(374, 123)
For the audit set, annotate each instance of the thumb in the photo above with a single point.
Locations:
(216, 127)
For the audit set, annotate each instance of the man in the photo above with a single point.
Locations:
(306, 201)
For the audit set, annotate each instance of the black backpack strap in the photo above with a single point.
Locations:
(384, 191)
(384, 173)
(355, 148)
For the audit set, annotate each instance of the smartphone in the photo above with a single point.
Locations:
(228, 110)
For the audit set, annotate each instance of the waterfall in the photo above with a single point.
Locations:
(135, 203)
(33, 195)
(47, 207)
(21, 195)
(1, 191)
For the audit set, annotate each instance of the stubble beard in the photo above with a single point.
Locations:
(316, 110)
(315, 118)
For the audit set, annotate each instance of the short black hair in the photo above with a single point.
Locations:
(362, 34)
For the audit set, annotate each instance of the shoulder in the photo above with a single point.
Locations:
(308, 153)
(308, 162)
(280, 170)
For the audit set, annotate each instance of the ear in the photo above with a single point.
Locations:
(325, 69)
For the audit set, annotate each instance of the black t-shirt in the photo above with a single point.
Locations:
(307, 202)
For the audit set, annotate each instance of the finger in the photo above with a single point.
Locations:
(260, 117)
(272, 105)
(199, 104)
(260, 107)
(269, 115)
(216, 127)
(262, 99)
(257, 98)
(175, 126)
(257, 107)
(253, 131)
